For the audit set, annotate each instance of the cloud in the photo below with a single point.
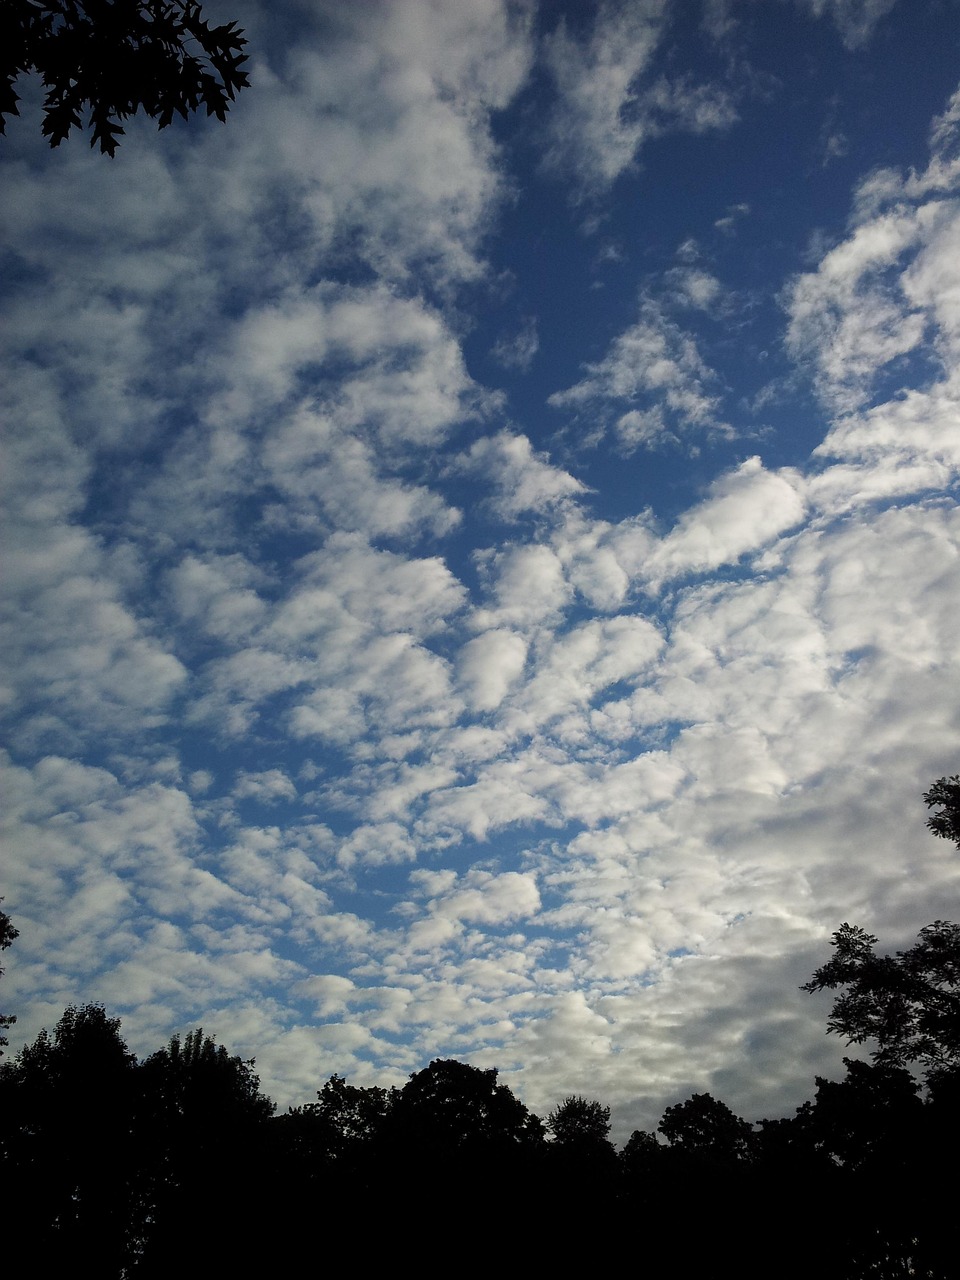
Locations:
(854, 19)
(728, 222)
(655, 366)
(877, 295)
(267, 787)
(594, 78)
(483, 898)
(489, 665)
(525, 586)
(693, 287)
(306, 743)
(847, 317)
(518, 350)
(745, 509)
(524, 481)
(603, 114)
(77, 648)
(380, 116)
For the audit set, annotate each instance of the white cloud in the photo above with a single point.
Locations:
(854, 19)
(526, 587)
(604, 113)
(215, 593)
(267, 787)
(847, 316)
(578, 666)
(75, 647)
(655, 365)
(879, 293)
(524, 481)
(378, 845)
(582, 810)
(518, 350)
(693, 287)
(482, 898)
(489, 665)
(331, 476)
(744, 510)
(594, 80)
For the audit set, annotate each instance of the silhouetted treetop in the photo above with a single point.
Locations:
(452, 1104)
(86, 1052)
(112, 58)
(346, 1115)
(856, 1119)
(196, 1077)
(945, 796)
(579, 1122)
(704, 1126)
(7, 935)
(909, 1002)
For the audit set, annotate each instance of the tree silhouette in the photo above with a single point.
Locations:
(347, 1116)
(705, 1127)
(578, 1122)
(202, 1135)
(68, 1145)
(7, 935)
(909, 1003)
(450, 1104)
(945, 796)
(112, 58)
(870, 1116)
(641, 1152)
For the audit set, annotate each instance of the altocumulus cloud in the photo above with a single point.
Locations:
(461, 599)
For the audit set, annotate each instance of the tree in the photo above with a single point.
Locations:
(453, 1105)
(703, 1126)
(7, 935)
(945, 796)
(909, 1003)
(578, 1122)
(581, 1153)
(202, 1137)
(198, 1083)
(68, 1143)
(875, 1108)
(348, 1115)
(641, 1151)
(116, 57)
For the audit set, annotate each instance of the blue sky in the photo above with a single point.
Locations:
(482, 542)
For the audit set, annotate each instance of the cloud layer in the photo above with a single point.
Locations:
(366, 706)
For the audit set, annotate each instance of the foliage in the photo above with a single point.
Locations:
(86, 1050)
(909, 1003)
(641, 1149)
(578, 1122)
(945, 796)
(139, 1165)
(142, 1166)
(202, 1132)
(346, 1115)
(855, 1120)
(7, 935)
(197, 1079)
(115, 57)
(451, 1104)
(67, 1140)
(704, 1126)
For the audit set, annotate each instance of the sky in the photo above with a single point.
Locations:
(482, 545)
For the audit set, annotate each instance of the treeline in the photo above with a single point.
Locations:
(178, 1164)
